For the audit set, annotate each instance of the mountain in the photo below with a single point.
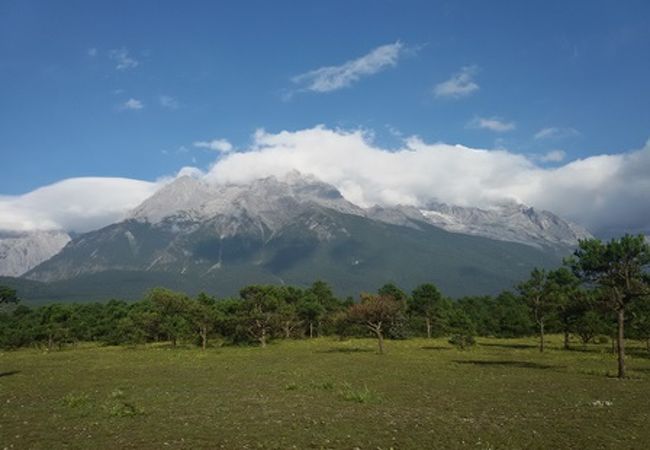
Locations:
(507, 222)
(195, 236)
(21, 251)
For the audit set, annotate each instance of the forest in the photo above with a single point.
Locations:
(600, 294)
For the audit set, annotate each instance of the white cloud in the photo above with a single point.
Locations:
(219, 145)
(168, 102)
(460, 84)
(605, 192)
(491, 123)
(76, 204)
(92, 52)
(132, 104)
(601, 192)
(553, 156)
(123, 60)
(332, 78)
(556, 133)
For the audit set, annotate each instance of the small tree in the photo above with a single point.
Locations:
(619, 268)
(536, 293)
(261, 305)
(462, 329)
(202, 315)
(427, 301)
(375, 312)
(311, 311)
(173, 307)
(563, 290)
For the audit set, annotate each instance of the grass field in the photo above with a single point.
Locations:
(325, 393)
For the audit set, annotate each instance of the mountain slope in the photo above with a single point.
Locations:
(194, 236)
(20, 252)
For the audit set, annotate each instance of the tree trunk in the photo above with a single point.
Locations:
(204, 338)
(287, 330)
(541, 336)
(566, 340)
(380, 339)
(311, 329)
(428, 321)
(50, 342)
(174, 341)
(620, 341)
(263, 337)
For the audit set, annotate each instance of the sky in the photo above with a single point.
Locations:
(467, 102)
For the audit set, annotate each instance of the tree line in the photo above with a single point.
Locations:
(601, 292)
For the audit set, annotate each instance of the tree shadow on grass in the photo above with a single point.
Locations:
(9, 373)
(509, 363)
(435, 347)
(517, 346)
(346, 350)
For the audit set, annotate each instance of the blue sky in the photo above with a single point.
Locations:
(225, 68)
(141, 89)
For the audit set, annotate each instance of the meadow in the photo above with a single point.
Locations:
(325, 393)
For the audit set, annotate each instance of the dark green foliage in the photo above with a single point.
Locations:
(264, 312)
(462, 341)
(427, 302)
(8, 295)
(619, 268)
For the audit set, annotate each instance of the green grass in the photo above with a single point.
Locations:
(325, 393)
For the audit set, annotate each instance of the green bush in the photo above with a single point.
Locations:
(462, 341)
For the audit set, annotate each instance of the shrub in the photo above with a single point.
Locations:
(462, 341)
(118, 406)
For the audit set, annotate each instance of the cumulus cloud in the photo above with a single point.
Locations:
(491, 123)
(123, 60)
(219, 145)
(556, 133)
(75, 204)
(332, 78)
(605, 192)
(132, 104)
(461, 84)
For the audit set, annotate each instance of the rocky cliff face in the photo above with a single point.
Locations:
(507, 222)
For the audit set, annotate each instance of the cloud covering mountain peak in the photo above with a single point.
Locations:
(606, 193)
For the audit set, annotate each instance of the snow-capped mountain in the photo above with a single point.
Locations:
(271, 202)
(297, 229)
(275, 203)
(21, 251)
